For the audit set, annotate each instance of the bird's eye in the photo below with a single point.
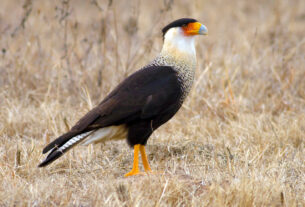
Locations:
(184, 25)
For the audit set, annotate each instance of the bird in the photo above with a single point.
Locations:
(141, 103)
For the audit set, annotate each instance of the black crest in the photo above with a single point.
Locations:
(177, 23)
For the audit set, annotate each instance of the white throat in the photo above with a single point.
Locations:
(178, 45)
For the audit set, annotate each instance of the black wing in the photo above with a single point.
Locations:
(143, 95)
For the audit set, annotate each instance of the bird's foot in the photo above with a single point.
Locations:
(134, 172)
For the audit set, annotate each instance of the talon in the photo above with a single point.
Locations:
(134, 172)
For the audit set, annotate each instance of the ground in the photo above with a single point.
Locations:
(239, 139)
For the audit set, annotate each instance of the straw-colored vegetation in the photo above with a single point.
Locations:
(239, 139)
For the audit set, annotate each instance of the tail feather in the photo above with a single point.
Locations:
(51, 157)
(82, 126)
(61, 148)
(60, 141)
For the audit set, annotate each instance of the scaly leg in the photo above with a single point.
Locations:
(135, 169)
(144, 159)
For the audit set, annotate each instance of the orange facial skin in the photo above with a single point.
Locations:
(192, 28)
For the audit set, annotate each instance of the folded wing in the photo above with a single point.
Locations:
(143, 95)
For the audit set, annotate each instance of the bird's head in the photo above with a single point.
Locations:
(179, 36)
(186, 27)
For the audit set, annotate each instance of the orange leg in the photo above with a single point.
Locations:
(135, 169)
(144, 159)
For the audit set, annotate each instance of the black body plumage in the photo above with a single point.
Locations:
(143, 102)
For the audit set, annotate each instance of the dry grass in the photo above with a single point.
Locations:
(238, 140)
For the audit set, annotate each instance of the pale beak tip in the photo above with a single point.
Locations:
(203, 30)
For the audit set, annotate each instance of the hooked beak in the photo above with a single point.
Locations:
(203, 30)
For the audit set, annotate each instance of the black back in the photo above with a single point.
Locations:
(149, 96)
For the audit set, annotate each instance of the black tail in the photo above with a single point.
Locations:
(60, 141)
(61, 145)
(51, 157)
(80, 131)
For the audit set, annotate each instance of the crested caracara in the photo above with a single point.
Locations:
(143, 101)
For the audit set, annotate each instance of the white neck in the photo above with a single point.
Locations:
(178, 45)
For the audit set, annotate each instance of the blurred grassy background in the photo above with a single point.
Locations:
(237, 141)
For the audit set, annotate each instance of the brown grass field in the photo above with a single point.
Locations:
(239, 139)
